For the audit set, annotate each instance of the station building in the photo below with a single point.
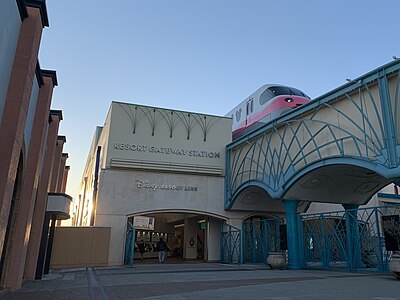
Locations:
(162, 171)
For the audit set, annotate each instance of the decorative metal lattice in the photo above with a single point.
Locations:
(262, 237)
(171, 119)
(230, 244)
(357, 124)
(356, 239)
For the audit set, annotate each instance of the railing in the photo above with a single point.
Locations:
(357, 124)
(355, 239)
(230, 244)
(262, 237)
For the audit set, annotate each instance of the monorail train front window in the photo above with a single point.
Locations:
(297, 92)
(274, 91)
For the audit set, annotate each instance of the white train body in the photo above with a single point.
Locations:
(267, 103)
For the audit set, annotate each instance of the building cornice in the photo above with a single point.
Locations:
(167, 109)
(60, 194)
(62, 138)
(23, 13)
(52, 74)
(41, 5)
(55, 112)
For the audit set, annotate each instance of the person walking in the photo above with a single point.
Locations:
(141, 249)
(161, 248)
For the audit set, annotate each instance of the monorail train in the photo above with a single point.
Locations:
(267, 103)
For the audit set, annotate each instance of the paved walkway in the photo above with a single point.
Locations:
(207, 281)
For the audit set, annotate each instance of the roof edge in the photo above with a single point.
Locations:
(41, 5)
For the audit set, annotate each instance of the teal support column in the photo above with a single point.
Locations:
(353, 237)
(292, 232)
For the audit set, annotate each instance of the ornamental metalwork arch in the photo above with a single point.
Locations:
(347, 137)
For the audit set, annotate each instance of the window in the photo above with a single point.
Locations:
(249, 107)
(274, 91)
(238, 114)
(266, 96)
(297, 92)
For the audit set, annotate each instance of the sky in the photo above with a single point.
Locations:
(204, 56)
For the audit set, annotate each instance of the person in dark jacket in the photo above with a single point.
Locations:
(161, 248)
(141, 249)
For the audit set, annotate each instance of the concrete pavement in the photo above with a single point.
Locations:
(207, 281)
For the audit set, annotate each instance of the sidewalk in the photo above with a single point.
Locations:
(207, 281)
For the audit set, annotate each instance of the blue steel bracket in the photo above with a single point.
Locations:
(387, 117)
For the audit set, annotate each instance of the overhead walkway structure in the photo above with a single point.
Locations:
(342, 147)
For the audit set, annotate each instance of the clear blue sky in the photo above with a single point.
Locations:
(203, 56)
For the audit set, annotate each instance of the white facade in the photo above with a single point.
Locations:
(163, 163)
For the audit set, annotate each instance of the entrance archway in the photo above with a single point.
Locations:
(189, 235)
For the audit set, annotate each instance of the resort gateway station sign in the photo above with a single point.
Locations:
(166, 150)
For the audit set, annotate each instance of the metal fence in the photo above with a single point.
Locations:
(355, 239)
(230, 244)
(262, 237)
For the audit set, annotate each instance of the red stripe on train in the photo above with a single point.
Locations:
(277, 103)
